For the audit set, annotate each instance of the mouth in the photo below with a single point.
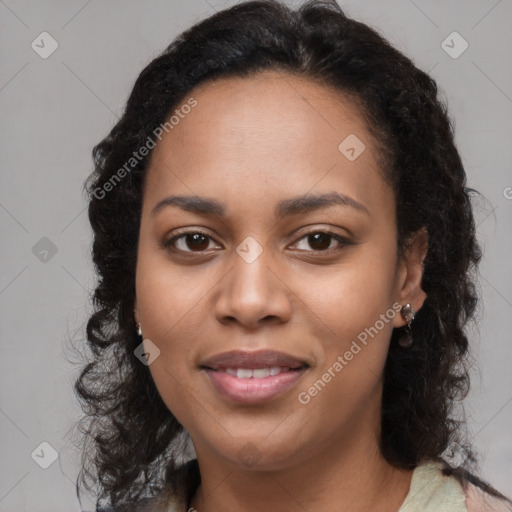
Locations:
(256, 373)
(253, 377)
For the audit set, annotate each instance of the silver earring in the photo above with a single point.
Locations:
(139, 329)
(407, 313)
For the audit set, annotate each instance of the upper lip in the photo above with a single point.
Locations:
(253, 360)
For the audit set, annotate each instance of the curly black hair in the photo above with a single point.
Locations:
(133, 443)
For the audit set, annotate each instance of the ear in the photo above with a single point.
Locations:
(410, 273)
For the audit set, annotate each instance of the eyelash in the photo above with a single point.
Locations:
(168, 244)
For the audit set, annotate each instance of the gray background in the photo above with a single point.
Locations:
(54, 110)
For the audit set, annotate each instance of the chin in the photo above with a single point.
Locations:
(259, 454)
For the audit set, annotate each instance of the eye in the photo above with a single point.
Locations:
(321, 241)
(197, 241)
(189, 241)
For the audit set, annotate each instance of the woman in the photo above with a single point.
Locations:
(286, 247)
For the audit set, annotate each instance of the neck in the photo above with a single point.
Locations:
(352, 476)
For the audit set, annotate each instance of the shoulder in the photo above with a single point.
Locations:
(477, 500)
(479, 496)
(435, 486)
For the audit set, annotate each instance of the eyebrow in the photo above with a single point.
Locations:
(293, 206)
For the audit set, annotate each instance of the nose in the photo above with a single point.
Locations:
(253, 293)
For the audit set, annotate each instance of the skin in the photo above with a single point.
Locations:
(249, 144)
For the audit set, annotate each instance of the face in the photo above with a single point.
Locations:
(273, 299)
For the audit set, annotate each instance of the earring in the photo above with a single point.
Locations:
(407, 313)
(139, 329)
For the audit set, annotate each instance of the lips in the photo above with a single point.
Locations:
(253, 377)
(253, 360)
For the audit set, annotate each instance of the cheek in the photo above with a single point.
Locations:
(169, 298)
(353, 309)
(351, 296)
(176, 388)
(345, 386)
(172, 316)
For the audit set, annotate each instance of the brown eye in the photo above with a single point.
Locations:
(193, 241)
(321, 241)
(196, 241)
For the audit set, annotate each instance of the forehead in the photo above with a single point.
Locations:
(270, 110)
(268, 134)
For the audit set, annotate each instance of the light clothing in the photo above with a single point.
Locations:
(430, 491)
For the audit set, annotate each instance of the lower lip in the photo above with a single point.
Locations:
(251, 391)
